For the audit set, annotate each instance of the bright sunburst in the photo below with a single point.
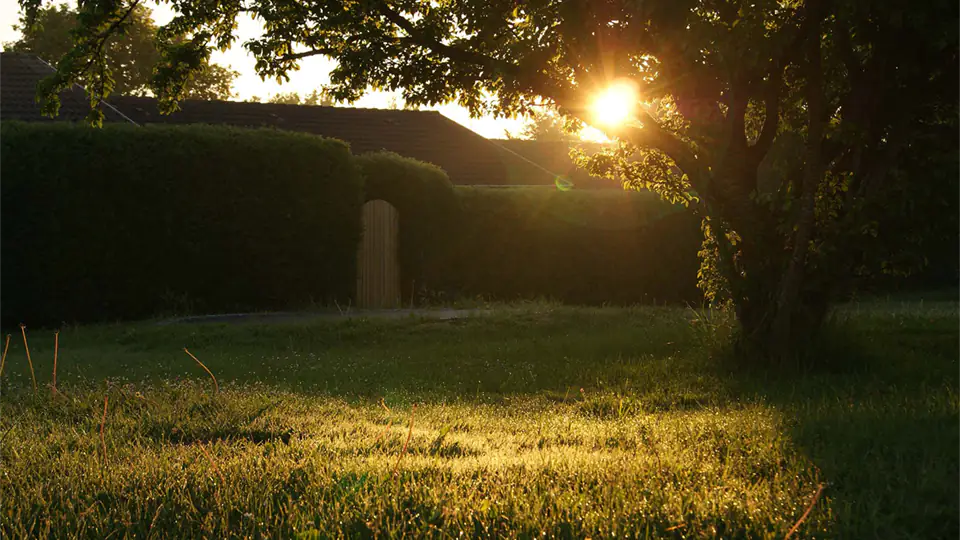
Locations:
(614, 105)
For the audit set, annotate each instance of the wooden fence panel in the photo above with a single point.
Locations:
(378, 269)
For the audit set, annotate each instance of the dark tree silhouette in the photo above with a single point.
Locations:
(130, 58)
(786, 124)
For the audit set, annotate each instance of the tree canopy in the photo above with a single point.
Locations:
(794, 127)
(546, 125)
(293, 98)
(130, 58)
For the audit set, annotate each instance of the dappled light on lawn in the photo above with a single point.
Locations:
(531, 419)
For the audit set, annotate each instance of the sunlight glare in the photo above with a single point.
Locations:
(615, 105)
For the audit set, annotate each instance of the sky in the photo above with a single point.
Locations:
(312, 75)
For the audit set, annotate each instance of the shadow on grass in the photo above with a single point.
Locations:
(526, 352)
(877, 413)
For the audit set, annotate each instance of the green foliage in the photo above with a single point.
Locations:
(293, 98)
(131, 57)
(125, 221)
(546, 125)
(585, 247)
(711, 278)
(428, 207)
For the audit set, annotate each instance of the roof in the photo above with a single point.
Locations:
(19, 75)
(468, 158)
(541, 162)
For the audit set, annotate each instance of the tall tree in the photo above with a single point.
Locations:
(293, 98)
(787, 124)
(545, 125)
(130, 57)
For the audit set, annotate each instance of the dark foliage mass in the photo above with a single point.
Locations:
(126, 222)
(580, 247)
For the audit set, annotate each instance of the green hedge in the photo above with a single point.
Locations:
(427, 204)
(584, 247)
(126, 221)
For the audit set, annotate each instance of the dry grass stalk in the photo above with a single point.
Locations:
(5, 433)
(3, 359)
(386, 427)
(383, 432)
(213, 464)
(816, 497)
(23, 330)
(396, 468)
(216, 387)
(154, 520)
(89, 509)
(103, 423)
(56, 350)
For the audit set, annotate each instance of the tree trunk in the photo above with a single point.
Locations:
(787, 333)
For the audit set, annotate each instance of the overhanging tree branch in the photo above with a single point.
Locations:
(438, 47)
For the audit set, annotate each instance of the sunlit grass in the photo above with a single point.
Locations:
(569, 422)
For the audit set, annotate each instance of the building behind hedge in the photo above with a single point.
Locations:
(467, 157)
(145, 218)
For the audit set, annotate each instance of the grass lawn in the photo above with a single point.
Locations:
(537, 420)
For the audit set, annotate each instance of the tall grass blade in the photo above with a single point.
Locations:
(216, 387)
(33, 376)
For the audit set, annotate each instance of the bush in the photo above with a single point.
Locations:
(583, 247)
(427, 204)
(126, 221)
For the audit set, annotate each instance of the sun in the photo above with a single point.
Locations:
(615, 104)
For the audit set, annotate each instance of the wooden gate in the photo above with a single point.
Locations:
(378, 271)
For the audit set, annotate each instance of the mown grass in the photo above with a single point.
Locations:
(541, 420)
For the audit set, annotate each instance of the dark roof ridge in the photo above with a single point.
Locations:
(282, 105)
(21, 92)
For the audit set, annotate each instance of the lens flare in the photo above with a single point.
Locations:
(615, 105)
(563, 183)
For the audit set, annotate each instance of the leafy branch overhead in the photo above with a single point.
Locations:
(792, 126)
(130, 54)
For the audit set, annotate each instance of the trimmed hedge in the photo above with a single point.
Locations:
(125, 221)
(583, 247)
(427, 204)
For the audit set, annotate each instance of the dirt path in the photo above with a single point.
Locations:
(443, 314)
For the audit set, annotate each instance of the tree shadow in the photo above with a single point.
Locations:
(877, 413)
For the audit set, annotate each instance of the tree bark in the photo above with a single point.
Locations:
(785, 330)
